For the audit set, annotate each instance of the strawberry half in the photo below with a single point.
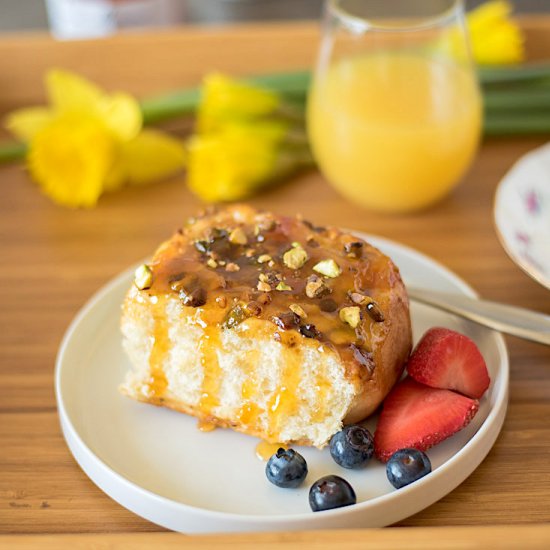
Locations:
(418, 416)
(447, 359)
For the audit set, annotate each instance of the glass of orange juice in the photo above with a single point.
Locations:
(394, 110)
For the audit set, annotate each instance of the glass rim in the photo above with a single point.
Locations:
(358, 23)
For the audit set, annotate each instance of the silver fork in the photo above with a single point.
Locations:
(517, 321)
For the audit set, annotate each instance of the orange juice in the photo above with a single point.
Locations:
(394, 131)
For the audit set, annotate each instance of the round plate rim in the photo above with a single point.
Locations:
(102, 474)
(504, 184)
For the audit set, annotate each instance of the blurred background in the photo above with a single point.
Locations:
(87, 18)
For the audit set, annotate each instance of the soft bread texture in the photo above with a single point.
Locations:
(256, 376)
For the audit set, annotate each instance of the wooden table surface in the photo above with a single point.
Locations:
(53, 259)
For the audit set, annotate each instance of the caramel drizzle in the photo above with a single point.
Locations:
(161, 344)
(285, 401)
(265, 450)
(212, 373)
(250, 412)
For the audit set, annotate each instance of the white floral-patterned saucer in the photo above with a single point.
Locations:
(522, 214)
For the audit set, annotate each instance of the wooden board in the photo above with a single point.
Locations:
(53, 259)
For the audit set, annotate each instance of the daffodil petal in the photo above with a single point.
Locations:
(69, 91)
(225, 99)
(232, 163)
(26, 123)
(495, 37)
(122, 115)
(70, 159)
(151, 156)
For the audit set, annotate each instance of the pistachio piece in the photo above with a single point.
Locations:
(316, 287)
(238, 236)
(328, 268)
(143, 277)
(350, 315)
(264, 258)
(283, 286)
(232, 267)
(235, 317)
(263, 286)
(296, 257)
(211, 263)
(299, 310)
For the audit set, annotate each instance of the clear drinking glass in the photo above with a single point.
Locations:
(394, 111)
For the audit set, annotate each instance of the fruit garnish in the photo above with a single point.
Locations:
(331, 492)
(352, 447)
(418, 416)
(406, 466)
(449, 360)
(286, 468)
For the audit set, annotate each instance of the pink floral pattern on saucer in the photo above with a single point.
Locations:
(522, 214)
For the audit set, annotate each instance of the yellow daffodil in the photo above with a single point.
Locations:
(224, 99)
(495, 38)
(243, 141)
(87, 142)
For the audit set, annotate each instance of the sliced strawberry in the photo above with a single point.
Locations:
(418, 416)
(447, 359)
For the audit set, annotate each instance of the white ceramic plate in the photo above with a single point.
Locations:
(522, 214)
(157, 464)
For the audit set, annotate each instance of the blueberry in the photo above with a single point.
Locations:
(286, 468)
(331, 492)
(406, 466)
(352, 447)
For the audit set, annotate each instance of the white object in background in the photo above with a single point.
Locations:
(522, 214)
(78, 19)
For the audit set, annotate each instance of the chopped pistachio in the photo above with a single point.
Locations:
(328, 268)
(143, 277)
(211, 263)
(350, 315)
(264, 258)
(271, 263)
(238, 236)
(316, 287)
(283, 286)
(296, 244)
(299, 310)
(235, 317)
(232, 267)
(263, 286)
(296, 257)
(263, 277)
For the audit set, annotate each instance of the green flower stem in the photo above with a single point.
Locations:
(12, 151)
(516, 98)
(518, 123)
